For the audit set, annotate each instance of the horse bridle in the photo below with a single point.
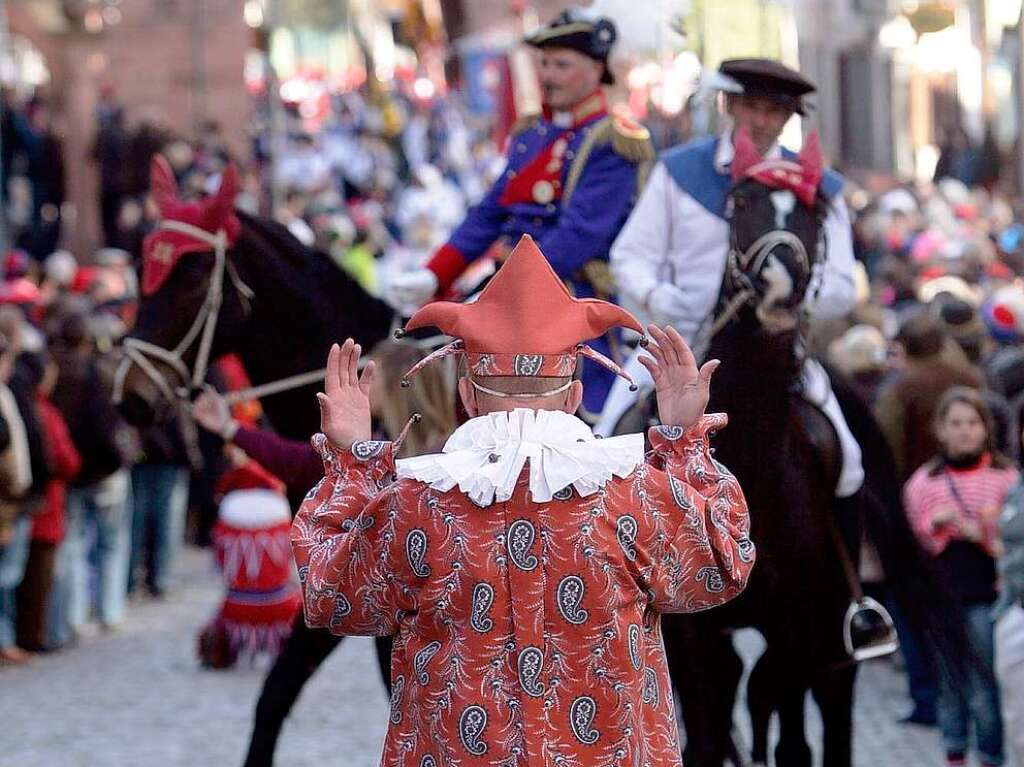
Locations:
(143, 353)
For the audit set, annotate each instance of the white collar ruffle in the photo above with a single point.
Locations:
(485, 457)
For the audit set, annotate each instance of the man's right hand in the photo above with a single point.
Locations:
(345, 401)
(405, 292)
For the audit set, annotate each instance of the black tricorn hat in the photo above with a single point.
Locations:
(768, 78)
(570, 29)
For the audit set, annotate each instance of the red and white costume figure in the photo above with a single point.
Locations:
(525, 600)
(253, 552)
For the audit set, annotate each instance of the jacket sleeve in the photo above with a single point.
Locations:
(838, 294)
(294, 462)
(602, 201)
(344, 542)
(65, 461)
(918, 515)
(472, 238)
(16, 464)
(707, 556)
(640, 251)
(891, 417)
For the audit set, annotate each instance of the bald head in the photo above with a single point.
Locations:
(513, 392)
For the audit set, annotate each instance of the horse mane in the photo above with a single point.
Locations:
(311, 274)
(273, 238)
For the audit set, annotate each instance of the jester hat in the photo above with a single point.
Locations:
(524, 323)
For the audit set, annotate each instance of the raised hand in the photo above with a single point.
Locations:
(682, 390)
(345, 402)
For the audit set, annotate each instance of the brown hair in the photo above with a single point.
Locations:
(432, 395)
(966, 395)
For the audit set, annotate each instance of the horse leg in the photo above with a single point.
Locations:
(833, 692)
(790, 697)
(760, 704)
(705, 671)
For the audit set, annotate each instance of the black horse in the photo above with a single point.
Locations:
(787, 457)
(283, 306)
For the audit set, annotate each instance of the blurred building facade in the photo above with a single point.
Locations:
(174, 63)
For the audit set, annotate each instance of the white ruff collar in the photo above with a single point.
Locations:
(486, 455)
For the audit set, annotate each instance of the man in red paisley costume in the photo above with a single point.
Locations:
(525, 600)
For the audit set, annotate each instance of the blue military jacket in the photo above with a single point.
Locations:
(570, 184)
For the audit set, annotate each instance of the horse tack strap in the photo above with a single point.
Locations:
(845, 560)
(278, 386)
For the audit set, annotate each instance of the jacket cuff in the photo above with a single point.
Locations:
(447, 264)
(372, 458)
(674, 439)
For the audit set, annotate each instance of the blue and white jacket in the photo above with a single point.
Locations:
(677, 233)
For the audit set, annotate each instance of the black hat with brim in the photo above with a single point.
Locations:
(591, 37)
(767, 78)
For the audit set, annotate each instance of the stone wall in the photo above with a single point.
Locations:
(155, 59)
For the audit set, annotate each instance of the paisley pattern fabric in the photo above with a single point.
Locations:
(527, 634)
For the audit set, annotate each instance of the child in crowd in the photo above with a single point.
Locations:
(953, 502)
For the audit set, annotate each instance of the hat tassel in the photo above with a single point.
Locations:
(600, 359)
(455, 347)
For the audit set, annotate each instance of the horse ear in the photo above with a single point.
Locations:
(162, 185)
(745, 154)
(811, 158)
(219, 207)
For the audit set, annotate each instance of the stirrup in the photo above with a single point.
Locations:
(868, 630)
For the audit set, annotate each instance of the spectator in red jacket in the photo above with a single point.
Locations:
(47, 526)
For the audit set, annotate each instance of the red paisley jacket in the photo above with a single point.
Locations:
(526, 634)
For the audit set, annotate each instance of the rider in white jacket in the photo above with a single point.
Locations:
(669, 259)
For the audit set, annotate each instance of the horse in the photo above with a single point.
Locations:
(218, 281)
(787, 457)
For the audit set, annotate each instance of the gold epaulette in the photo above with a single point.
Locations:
(523, 123)
(630, 139)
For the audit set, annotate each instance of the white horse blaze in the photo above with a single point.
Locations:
(784, 202)
(779, 283)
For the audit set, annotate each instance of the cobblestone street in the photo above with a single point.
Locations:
(137, 697)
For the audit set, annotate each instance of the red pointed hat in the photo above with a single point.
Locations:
(525, 322)
(162, 249)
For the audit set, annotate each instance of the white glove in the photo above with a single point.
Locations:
(406, 292)
(667, 304)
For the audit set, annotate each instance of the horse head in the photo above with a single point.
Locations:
(216, 280)
(776, 211)
(190, 295)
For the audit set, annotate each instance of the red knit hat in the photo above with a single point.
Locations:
(525, 322)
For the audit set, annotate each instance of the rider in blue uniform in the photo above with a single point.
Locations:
(572, 175)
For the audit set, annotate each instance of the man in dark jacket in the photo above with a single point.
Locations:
(906, 407)
(100, 496)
